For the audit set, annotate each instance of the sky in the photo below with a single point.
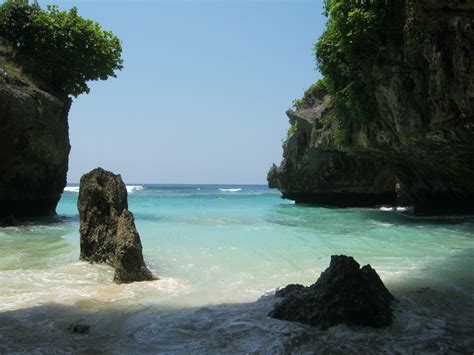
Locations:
(204, 89)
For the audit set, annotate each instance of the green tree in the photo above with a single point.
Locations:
(60, 48)
(356, 37)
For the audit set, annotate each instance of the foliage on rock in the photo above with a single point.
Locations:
(305, 101)
(356, 36)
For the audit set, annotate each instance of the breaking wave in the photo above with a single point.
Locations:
(132, 188)
(230, 190)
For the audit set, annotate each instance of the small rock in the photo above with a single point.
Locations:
(79, 328)
(343, 293)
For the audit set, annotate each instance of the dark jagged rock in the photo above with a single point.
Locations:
(422, 134)
(290, 290)
(107, 228)
(343, 293)
(8, 221)
(34, 145)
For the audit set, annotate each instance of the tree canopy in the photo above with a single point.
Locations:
(60, 48)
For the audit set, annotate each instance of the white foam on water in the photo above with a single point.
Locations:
(80, 283)
(72, 189)
(391, 209)
(383, 224)
(230, 190)
(132, 188)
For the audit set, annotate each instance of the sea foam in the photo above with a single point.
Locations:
(230, 190)
(391, 209)
(72, 189)
(131, 188)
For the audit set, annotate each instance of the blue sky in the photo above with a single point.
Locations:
(204, 90)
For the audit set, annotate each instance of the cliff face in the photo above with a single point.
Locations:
(34, 145)
(316, 170)
(422, 138)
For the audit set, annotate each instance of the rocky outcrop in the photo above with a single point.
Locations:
(422, 137)
(107, 227)
(315, 170)
(34, 144)
(343, 293)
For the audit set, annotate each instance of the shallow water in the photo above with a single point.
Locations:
(220, 252)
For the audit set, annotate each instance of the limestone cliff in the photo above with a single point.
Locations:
(34, 144)
(315, 169)
(421, 137)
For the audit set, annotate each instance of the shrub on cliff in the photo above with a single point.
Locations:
(60, 48)
(306, 101)
(356, 36)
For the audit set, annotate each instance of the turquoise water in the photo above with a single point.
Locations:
(220, 251)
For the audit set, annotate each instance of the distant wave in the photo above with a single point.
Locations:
(389, 209)
(230, 190)
(130, 188)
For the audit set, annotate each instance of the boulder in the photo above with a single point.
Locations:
(343, 293)
(107, 227)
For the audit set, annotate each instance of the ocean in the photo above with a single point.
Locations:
(220, 252)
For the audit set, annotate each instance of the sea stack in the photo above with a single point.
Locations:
(107, 227)
(344, 293)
